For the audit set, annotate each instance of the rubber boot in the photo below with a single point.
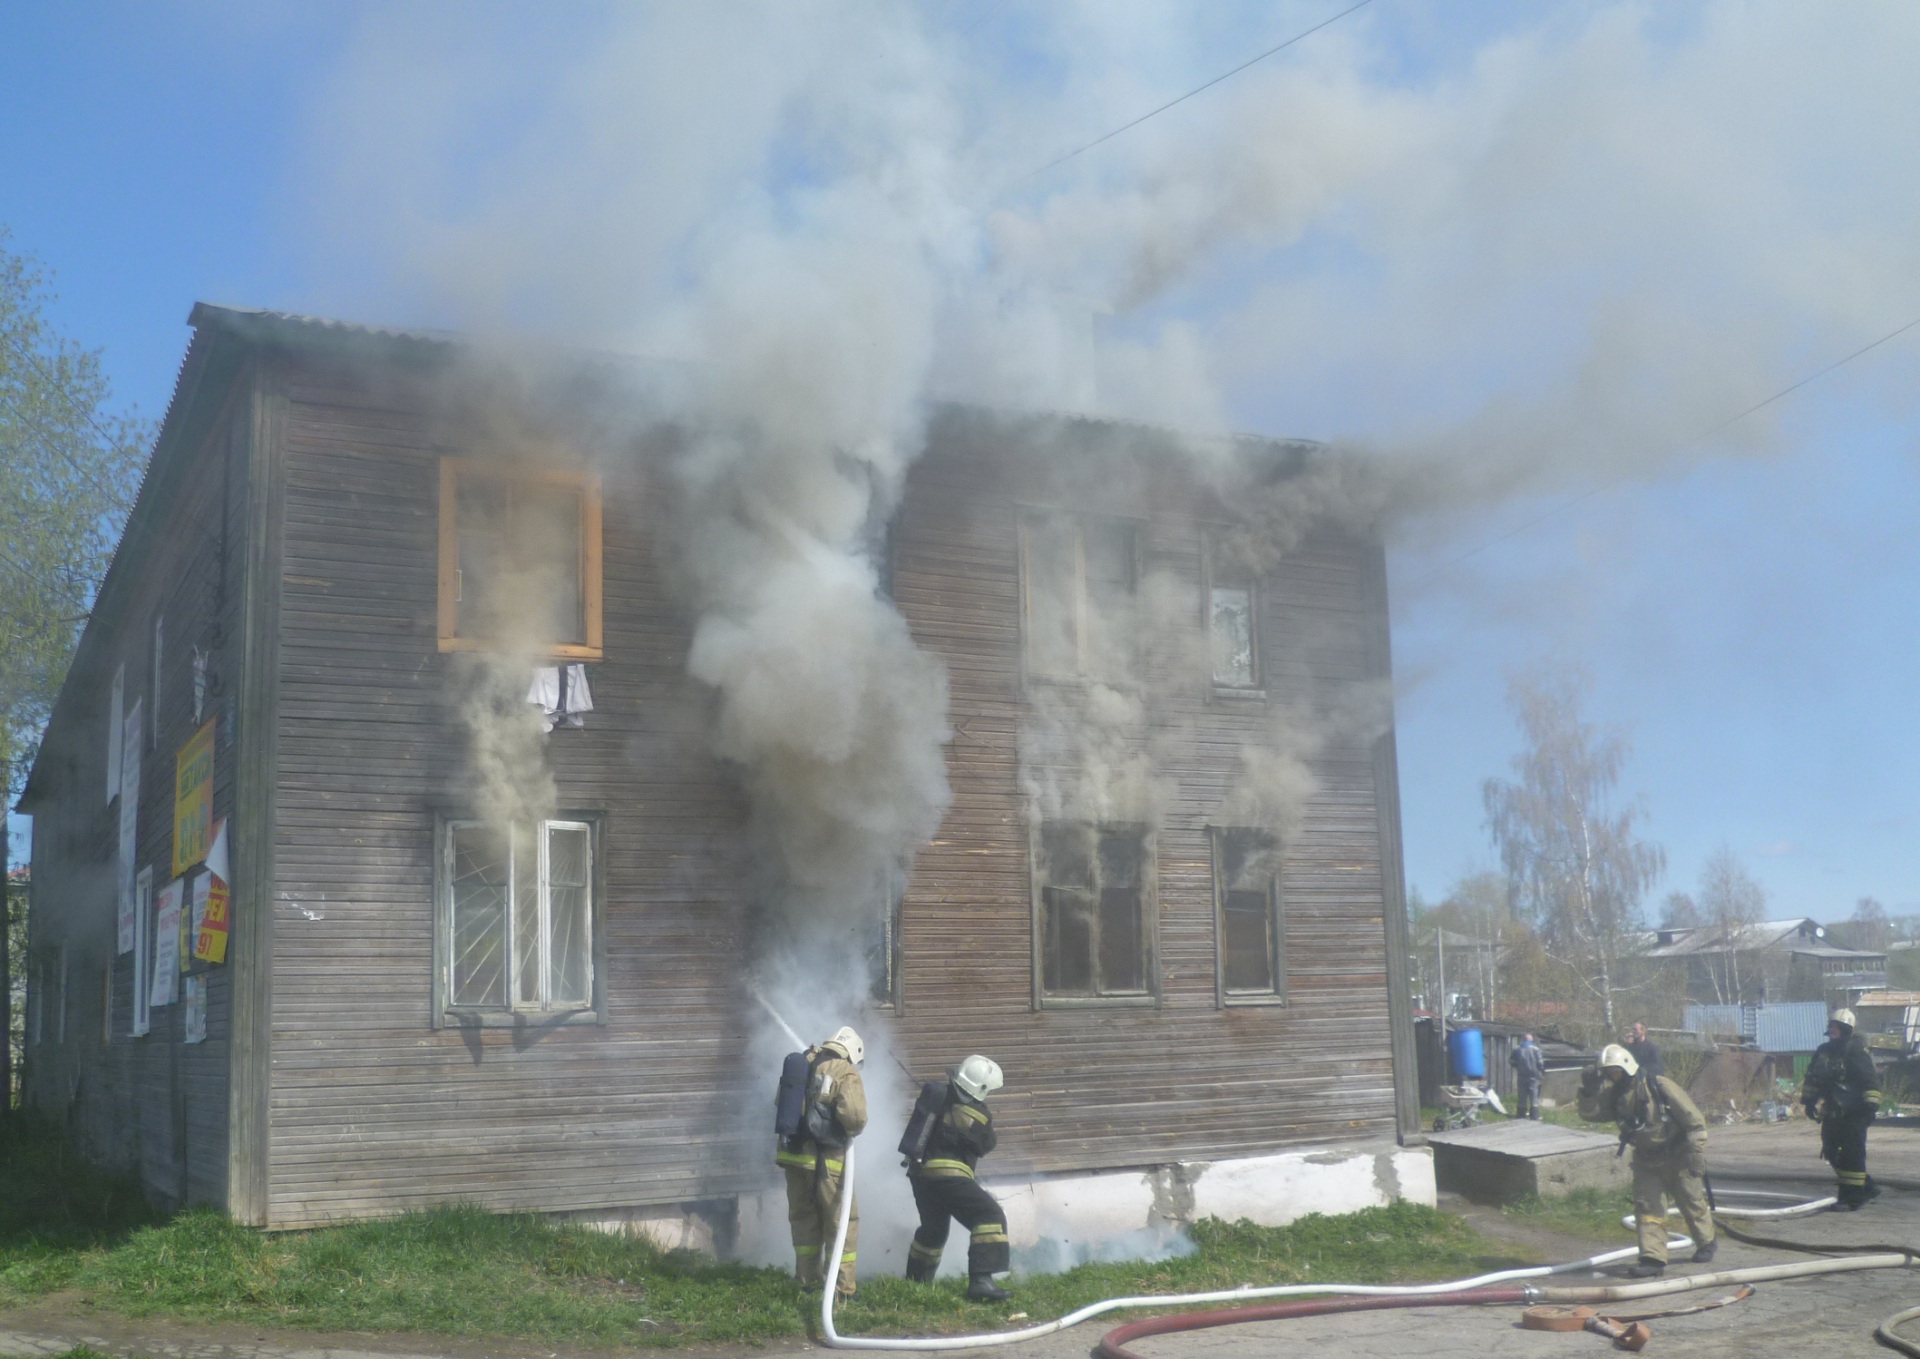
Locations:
(1647, 1269)
(921, 1271)
(1872, 1191)
(1704, 1254)
(982, 1288)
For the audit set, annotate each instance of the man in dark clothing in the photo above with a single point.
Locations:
(1842, 1090)
(1530, 1071)
(1643, 1050)
(944, 1187)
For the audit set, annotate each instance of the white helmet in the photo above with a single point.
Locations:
(848, 1042)
(978, 1076)
(1842, 1016)
(1615, 1055)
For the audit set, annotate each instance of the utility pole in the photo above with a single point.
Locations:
(1440, 949)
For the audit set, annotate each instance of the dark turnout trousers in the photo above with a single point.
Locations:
(1843, 1142)
(942, 1200)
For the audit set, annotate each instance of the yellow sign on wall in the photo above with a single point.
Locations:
(193, 800)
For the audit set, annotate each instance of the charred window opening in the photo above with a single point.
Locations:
(1092, 900)
(520, 554)
(1080, 579)
(1251, 921)
(518, 915)
(1233, 608)
(882, 940)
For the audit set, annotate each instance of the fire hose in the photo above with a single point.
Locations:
(1484, 1289)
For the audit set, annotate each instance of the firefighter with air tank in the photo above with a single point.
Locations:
(1842, 1090)
(949, 1131)
(1669, 1140)
(821, 1106)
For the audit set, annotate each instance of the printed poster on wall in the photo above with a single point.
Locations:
(129, 821)
(193, 800)
(196, 1009)
(212, 898)
(166, 944)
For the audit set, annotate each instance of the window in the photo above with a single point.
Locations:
(517, 918)
(1078, 578)
(142, 953)
(1091, 898)
(882, 940)
(519, 559)
(1249, 922)
(1232, 623)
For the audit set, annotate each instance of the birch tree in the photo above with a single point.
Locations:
(1574, 854)
(1731, 903)
(68, 473)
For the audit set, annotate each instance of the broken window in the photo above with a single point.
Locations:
(1232, 623)
(882, 943)
(1250, 924)
(1092, 907)
(1079, 582)
(519, 559)
(517, 916)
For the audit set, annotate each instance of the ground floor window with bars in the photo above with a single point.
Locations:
(518, 919)
(1091, 898)
(1249, 916)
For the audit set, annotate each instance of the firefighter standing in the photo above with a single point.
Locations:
(814, 1159)
(1842, 1090)
(1669, 1141)
(944, 1187)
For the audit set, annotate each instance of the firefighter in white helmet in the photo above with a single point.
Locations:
(815, 1159)
(1669, 1141)
(1842, 1090)
(944, 1187)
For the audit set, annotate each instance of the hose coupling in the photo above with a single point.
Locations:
(1530, 1294)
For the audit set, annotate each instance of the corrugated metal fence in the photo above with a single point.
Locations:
(1796, 1026)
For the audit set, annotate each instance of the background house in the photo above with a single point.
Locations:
(1770, 962)
(1166, 894)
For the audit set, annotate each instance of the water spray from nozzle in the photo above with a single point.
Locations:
(767, 1005)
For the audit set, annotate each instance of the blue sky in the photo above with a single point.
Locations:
(1552, 245)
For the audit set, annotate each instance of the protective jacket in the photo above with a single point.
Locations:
(962, 1136)
(1656, 1117)
(836, 1112)
(1528, 1062)
(1841, 1079)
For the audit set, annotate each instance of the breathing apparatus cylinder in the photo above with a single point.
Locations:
(925, 1117)
(790, 1099)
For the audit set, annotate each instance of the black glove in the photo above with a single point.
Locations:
(1590, 1081)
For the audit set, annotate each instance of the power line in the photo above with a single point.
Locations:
(1225, 75)
(1621, 480)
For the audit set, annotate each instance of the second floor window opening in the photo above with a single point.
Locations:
(520, 559)
(1079, 581)
(1232, 623)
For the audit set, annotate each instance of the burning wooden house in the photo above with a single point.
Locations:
(289, 959)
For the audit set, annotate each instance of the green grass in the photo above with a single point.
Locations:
(463, 1271)
(1590, 1214)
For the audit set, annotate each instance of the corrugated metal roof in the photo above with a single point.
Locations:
(1887, 1000)
(1795, 936)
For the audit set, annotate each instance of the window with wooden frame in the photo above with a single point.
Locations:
(1091, 913)
(1233, 623)
(882, 941)
(1249, 917)
(1079, 578)
(519, 559)
(518, 923)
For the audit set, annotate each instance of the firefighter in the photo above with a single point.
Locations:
(814, 1158)
(1669, 1141)
(944, 1187)
(1842, 1090)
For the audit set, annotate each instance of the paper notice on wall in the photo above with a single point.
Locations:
(193, 800)
(166, 944)
(129, 821)
(196, 988)
(212, 901)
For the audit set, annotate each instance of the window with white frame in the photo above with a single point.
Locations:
(517, 917)
(1078, 584)
(1091, 898)
(142, 953)
(1249, 920)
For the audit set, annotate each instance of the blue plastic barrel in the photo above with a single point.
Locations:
(1468, 1055)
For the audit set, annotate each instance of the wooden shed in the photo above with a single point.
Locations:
(260, 710)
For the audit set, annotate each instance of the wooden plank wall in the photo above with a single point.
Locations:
(155, 1104)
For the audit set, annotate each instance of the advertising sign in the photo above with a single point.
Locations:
(166, 944)
(193, 800)
(210, 945)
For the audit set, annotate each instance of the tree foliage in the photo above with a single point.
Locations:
(1731, 903)
(1576, 860)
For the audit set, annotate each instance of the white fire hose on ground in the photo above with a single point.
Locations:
(832, 1339)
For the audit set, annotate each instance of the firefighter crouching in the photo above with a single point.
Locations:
(1842, 1090)
(814, 1158)
(950, 1131)
(1669, 1141)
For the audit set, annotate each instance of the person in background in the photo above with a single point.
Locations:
(1669, 1140)
(1643, 1050)
(815, 1159)
(1530, 1072)
(944, 1187)
(1842, 1090)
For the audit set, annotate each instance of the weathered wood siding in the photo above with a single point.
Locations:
(154, 1104)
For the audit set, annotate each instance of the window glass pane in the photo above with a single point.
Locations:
(1122, 956)
(1065, 858)
(1053, 595)
(525, 909)
(479, 918)
(546, 551)
(520, 560)
(1109, 605)
(1067, 941)
(1233, 636)
(480, 517)
(569, 945)
(1248, 942)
